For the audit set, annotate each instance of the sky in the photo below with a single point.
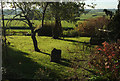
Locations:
(104, 4)
(101, 4)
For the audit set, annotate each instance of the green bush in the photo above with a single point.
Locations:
(46, 30)
(70, 33)
(57, 30)
(97, 40)
(83, 34)
(98, 78)
(49, 29)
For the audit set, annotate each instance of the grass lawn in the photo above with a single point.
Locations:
(24, 62)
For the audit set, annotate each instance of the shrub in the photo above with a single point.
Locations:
(49, 29)
(106, 60)
(46, 30)
(91, 26)
(97, 40)
(70, 33)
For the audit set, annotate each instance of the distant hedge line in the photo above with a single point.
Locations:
(17, 27)
(64, 28)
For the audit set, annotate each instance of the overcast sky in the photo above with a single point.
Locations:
(104, 4)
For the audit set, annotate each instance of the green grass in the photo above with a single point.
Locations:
(26, 63)
(18, 23)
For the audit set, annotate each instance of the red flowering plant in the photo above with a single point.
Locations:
(106, 60)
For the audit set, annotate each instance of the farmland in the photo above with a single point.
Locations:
(22, 61)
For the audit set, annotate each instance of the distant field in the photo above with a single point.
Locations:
(18, 23)
(89, 15)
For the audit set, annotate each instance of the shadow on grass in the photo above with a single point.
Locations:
(44, 53)
(74, 41)
(18, 66)
(63, 61)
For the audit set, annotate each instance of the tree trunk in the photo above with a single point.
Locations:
(4, 48)
(33, 35)
(57, 30)
(31, 27)
(44, 13)
(34, 32)
(43, 16)
(35, 42)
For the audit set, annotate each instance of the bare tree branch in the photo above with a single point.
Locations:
(43, 16)
(44, 13)
(25, 21)
(9, 21)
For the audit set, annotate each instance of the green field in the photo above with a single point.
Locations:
(18, 23)
(24, 62)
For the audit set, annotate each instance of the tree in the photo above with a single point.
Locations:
(4, 48)
(61, 11)
(64, 11)
(114, 25)
(3, 24)
(27, 8)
